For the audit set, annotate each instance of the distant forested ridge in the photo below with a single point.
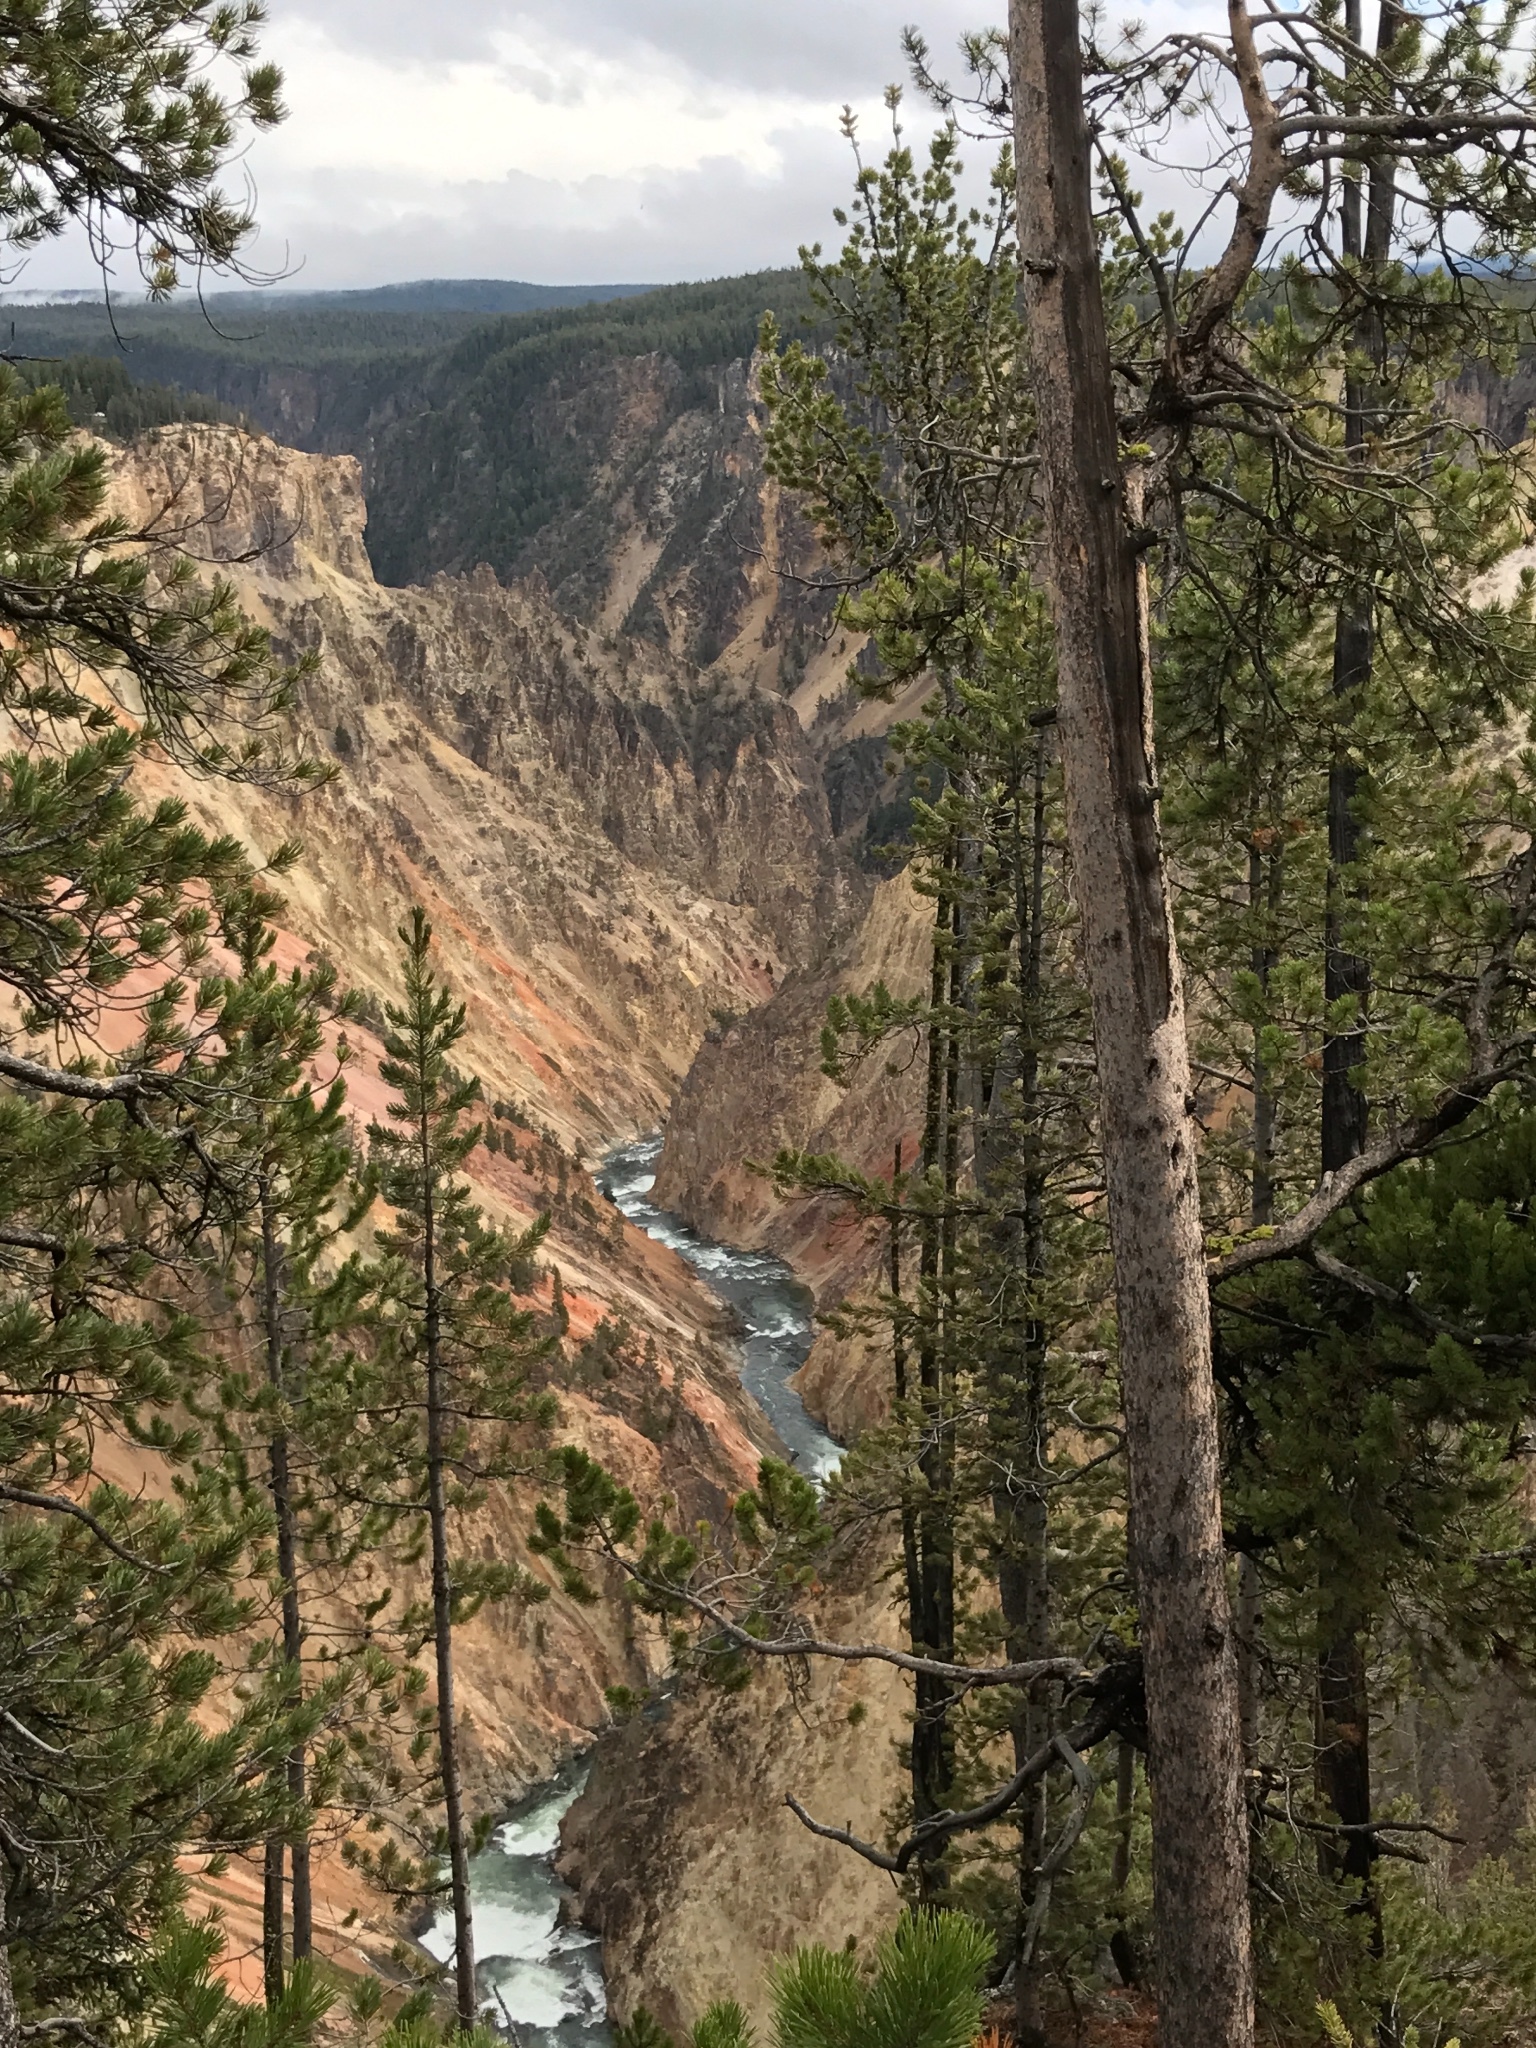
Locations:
(476, 434)
(479, 295)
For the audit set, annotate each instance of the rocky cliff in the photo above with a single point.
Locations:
(614, 850)
(615, 846)
(683, 1853)
(758, 1086)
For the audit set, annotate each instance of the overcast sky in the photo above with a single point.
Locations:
(567, 141)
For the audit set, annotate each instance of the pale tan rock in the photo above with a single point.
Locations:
(684, 1855)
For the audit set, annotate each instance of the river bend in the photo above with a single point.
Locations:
(544, 1980)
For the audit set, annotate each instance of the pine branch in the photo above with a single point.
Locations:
(1400, 1299)
(61, 1504)
(1394, 1147)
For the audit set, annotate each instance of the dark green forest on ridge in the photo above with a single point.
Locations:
(443, 407)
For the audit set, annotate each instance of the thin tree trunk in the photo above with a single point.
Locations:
(911, 1568)
(10, 2018)
(1125, 1817)
(293, 1635)
(1200, 1839)
(1343, 1691)
(1344, 1763)
(1343, 1769)
(1121, 1947)
(1264, 881)
(1249, 1622)
(1018, 1422)
(1020, 1509)
(466, 2000)
(1264, 884)
(933, 1619)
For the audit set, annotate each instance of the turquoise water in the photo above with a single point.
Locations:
(776, 1313)
(543, 1981)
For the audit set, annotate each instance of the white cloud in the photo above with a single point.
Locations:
(567, 141)
(533, 106)
(842, 49)
(705, 219)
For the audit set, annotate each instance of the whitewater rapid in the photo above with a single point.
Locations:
(543, 1980)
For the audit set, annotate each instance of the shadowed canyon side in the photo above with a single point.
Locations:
(758, 1086)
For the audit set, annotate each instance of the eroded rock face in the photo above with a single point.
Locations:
(611, 849)
(614, 847)
(683, 1853)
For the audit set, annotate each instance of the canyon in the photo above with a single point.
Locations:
(634, 878)
(622, 769)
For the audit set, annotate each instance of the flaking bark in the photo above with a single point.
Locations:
(1200, 1842)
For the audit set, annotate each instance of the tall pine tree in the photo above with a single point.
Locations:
(449, 1407)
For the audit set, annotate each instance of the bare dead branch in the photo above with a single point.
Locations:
(1062, 1749)
(1076, 1821)
(59, 1081)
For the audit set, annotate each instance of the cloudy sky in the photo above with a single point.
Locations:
(567, 141)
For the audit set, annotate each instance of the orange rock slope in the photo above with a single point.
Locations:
(613, 849)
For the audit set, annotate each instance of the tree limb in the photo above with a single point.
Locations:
(1066, 1842)
(1061, 1749)
(61, 1504)
(1398, 1298)
(1394, 1146)
(1070, 1669)
(59, 1081)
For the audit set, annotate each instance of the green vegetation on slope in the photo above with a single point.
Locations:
(476, 435)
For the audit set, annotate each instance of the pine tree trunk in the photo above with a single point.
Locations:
(1344, 1764)
(1343, 1769)
(932, 1621)
(1343, 1691)
(1264, 900)
(293, 1636)
(1018, 1428)
(1200, 1839)
(1249, 1622)
(1122, 1947)
(1024, 1597)
(466, 2000)
(272, 1872)
(1018, 1423)
(911, 1566)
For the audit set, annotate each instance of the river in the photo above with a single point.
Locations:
(776, 1314)
(544, 1981)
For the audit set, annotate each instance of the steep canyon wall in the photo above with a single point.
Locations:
(616, 851)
